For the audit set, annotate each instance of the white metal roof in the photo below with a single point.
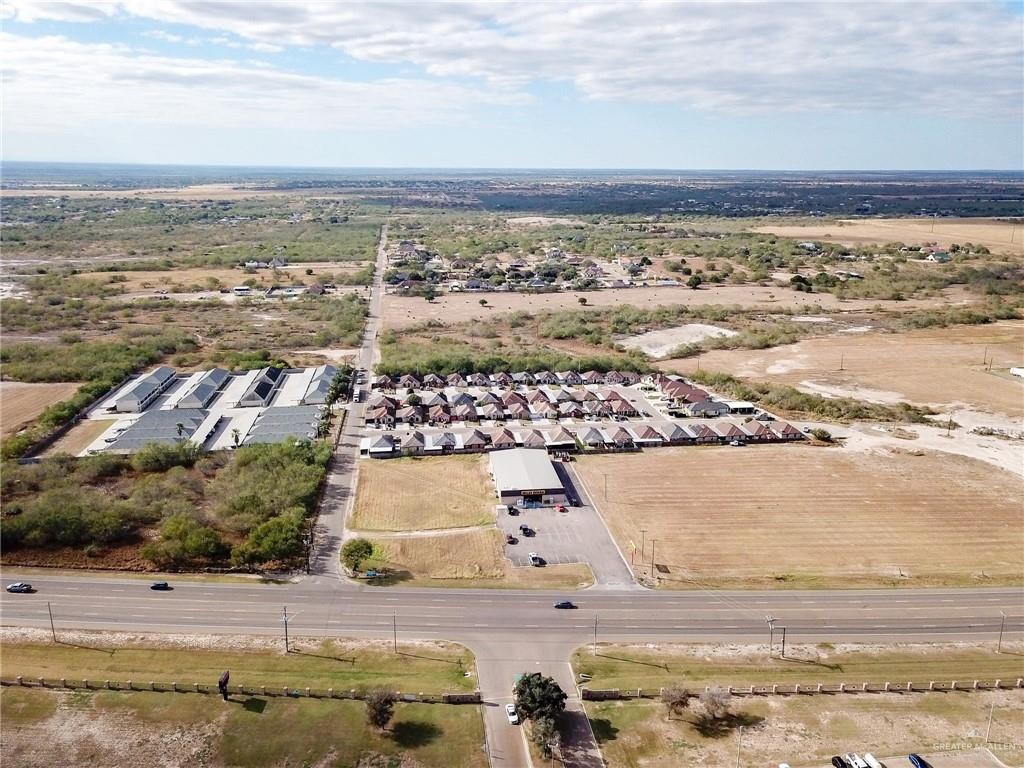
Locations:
(518, 469)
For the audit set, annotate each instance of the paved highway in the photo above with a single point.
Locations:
(514, 631)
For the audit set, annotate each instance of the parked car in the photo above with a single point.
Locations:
(565, 604)
(536, 560)
(854, 759)
(560, 508)
(526, 530)
(160, 586)
(871, 761)
(511, 714)
(512, 510)
(510, 539)
(838, 762)
(22, 587)
(737, 443)
(917, 761)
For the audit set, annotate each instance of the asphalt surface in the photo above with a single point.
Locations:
(513, 631)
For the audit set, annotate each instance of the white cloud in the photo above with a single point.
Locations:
(937, 57)
(56, 85)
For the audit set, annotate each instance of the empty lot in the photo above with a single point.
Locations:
(932, 366)
(21, 402)
(411, 494)
(994, 235)
(468, 559)
(806, 516)
(404, 311)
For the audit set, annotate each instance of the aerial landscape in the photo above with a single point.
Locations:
(470, 385)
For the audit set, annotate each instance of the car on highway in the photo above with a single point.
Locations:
(511, 714)
(565, 604)
(21, 587)
(160, 586)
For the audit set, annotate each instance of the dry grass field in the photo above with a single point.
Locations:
(402, 311)
(21, 402)
(414, 494)
(808, 516)
(997, 236)
(468, 559)
(932, 366)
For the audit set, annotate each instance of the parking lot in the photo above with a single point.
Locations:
(575, 536)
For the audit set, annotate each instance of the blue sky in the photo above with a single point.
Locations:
(829, 85)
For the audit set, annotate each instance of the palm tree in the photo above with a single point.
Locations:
(181, 429)
(236, 436)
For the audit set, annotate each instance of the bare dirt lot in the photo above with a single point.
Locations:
(660, 342)
(21, 402)
(811, 516)
(935, 366)
(411, 494)
(994, 235)
(402, 311)
(79, 437)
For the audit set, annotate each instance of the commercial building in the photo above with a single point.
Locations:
(144, 391)
(526, 476)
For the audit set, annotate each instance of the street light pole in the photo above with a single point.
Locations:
(595, 635)
(1002, 624)
(394, 628)
(654, 574)
(783, 643)
(286, 650)
(770, 620)
(52, 630)
(739, 747)
(643, 543)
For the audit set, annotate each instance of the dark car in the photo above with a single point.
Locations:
(512, 510)
(526, 530)
(510, 539)
(917, 761)
(838, 762)
(565, 604)
(160, 586)
(19, 587)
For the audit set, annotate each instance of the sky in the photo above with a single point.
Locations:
(831, 85)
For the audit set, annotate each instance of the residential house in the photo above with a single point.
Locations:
(410, 414)
(412, 443)
(676, 435)
(537, 396)
(487, 398)
(502, 379)
(592, 377)
(381, 417)
(592, 438)
(614, 377)
(523, 378)
(478, 380)
(491, 411)
(409, 382)
(439, 414)
(441, 442)
(502, 438)
(561, 439)
(784, 430)
(383, 382)
(570, 411)
(455, 380)
(532, 438)
(545, 377)
(433, 381)
(464, 413)
(702, 433)
(621, 438)
(381, 446)
(707, 409)
(569, 377)
(758, 432)
(647, 435)
(474, 441)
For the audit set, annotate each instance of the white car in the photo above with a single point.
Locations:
(511, 714)
(854, 760)
(871, 761)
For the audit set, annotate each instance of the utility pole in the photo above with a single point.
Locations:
(770, 620)
(739, 747)
(605, 485)
(783, 643)
(654, 574)
(52, 630)
(286, 649)
(394, 629)
(842, 360)
(991, 712)
(1002, 625)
